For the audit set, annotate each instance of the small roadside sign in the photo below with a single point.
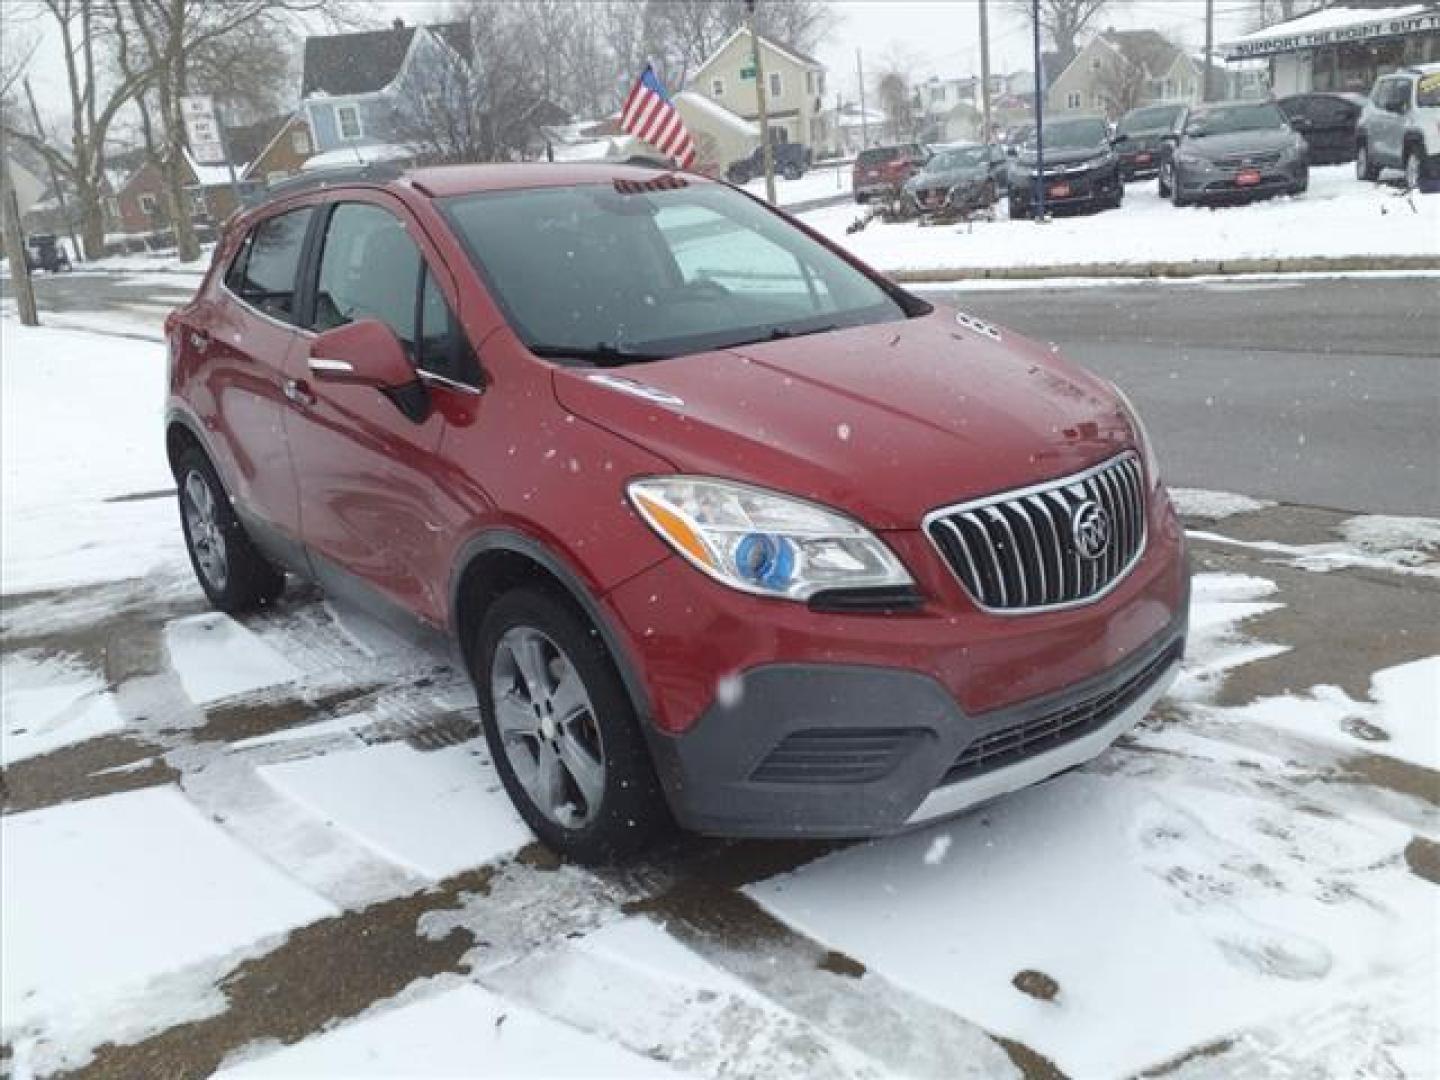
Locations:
(747, 72)
(202, 129)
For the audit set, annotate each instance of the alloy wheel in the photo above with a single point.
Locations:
(202, 524)
(548, 727)
(1412, 171)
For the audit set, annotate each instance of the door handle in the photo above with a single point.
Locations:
(297, 392)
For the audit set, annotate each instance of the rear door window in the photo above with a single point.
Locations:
(264, 274)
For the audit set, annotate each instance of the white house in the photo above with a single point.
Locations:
(795, 88)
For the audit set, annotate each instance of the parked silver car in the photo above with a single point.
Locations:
(1233, 151)
(1400, 127)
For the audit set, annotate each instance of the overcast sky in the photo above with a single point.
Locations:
(935, 37)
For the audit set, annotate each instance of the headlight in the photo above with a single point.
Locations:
(761, 542)
(1146, 447)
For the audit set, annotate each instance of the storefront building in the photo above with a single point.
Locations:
(1344, 46)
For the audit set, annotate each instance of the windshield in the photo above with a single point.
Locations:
(1261, 116)
(612, 275)
(1158, 118)
(948, 160)
(1072, 134)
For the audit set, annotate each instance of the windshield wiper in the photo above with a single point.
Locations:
(779, 333)
(600, 354)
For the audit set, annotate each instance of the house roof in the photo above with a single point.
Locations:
(363, 63)
(794, 55)
(1148, 50)
(246, 142)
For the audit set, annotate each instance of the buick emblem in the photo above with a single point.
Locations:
(1090, 529)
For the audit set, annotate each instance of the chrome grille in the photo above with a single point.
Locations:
(1017, 552)
(1245, 161)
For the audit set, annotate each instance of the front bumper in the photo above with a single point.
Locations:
(766, 718)
(1200, 184)
(1140, 164)
(845, 751)
(1064, 190)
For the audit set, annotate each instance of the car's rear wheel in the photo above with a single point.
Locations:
(1365, 168)
(233, 573)
(562, 730)
(792, 172)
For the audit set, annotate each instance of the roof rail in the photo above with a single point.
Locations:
(376, 172)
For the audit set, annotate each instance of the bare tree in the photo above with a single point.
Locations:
(892, 91)
(1120, 82)
(1268, 12)
(1062, 21)
(95, 100)
(684, 33)
(168, 43)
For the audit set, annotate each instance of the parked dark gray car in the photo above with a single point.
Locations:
(1233, 151)
(1082, 169)
(958, 179)
(1143, 129)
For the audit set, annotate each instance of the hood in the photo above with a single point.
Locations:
(1069, 156)
(1240, 142)
(885, 422)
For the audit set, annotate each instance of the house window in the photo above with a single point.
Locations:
(347, 117)
(777, 88)
(300, 142)
(820, 84)
(717, 87)
(809, 82)
(1072, 99)
(112, 206)
(147, 204)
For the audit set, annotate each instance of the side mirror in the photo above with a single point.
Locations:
(367, 353)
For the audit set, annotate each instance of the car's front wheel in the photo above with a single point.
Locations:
(1412, 169)
(1165, 181)
(1365, 167)
(562, 731)
(792, 172)
(233, 573)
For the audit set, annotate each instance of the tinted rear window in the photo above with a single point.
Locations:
(878, 157)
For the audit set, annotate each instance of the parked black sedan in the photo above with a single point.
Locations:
(1237, 150)
(1327, 121)
(1143, 129)
(1081, 171)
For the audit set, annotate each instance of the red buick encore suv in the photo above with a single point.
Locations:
(728, 529)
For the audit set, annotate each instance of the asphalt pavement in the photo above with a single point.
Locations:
(1320, 391)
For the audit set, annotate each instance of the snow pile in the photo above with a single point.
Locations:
(821, 182)
(1400, 544)
(217, 658)
(1338, 216)
(46, 704)
(1213, 505)
(1412, 539)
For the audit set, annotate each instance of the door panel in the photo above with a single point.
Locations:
(248, 346)
(375, 499)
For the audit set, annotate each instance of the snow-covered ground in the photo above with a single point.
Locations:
(285, 834)
(1338, 216)
(821, 182)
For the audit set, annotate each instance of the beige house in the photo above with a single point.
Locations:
(795, 88)
(1120, 70)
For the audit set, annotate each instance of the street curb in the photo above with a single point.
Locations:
(1317, 264)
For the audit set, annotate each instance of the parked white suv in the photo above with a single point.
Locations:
(1400, 127)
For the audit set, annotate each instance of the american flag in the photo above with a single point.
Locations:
(649, 114)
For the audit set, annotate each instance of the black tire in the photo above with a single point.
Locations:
(1018, 210)
(1413, 162)
(248, 580)
(631, 812)
(1162, 183)
(792, 172)
(1365, 167)
(738, 175)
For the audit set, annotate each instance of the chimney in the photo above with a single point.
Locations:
(399, 23)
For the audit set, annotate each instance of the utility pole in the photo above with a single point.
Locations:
(767, 152)
(1209, 49)
(15, 248)
(864, 116)
(1038, 204)
(984, 72)
(54, 176)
